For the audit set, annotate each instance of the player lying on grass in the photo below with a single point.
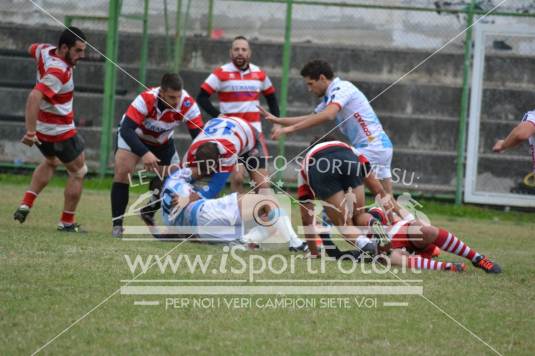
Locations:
(413, 243)
(223, 219)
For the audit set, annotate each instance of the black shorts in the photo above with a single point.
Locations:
(333, 170)
(258, 156)
(67, 151)
(164, 153)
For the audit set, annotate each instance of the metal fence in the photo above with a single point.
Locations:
(418, 25)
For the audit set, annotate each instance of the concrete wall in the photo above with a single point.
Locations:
(420, 113)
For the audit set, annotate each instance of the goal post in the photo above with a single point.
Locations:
(488, 179)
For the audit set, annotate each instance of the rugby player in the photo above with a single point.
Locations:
(183, 206)
(352, 112)
(238, 85)
(50, 125)
(525, 130)
(413, 243)
(330, 171)
(225, 142)
(146, 134)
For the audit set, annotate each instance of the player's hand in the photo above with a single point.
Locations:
(194, 196)
(278, 132)
(498, 146)
(270, 117)
(30, 138)
(150, 161)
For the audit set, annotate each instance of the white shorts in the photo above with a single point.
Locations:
(221, 216)
(380, 158)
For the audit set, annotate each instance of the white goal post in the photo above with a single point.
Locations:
(471, 194)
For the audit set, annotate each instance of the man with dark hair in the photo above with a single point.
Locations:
(345, 103)
(146, 133)
(238, 85)
(224, 143)
(50, 124)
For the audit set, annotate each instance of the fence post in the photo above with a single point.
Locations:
(461, 139)
(181, 39)
(210, 24)
(108, 106)
(178, 33)
(144, 47)
(286, 56)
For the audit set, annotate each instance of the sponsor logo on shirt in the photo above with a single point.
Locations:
(364, 127)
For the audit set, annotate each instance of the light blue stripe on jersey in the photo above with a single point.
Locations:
(194, 211)
(385, 140)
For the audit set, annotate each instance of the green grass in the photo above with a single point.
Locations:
(50, 279)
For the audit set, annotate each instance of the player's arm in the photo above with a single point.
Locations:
(307, 219)
(128, 133)
(298, 123)
(194, 120)
(203, 99)
(520, 133)
(31, 114)
(215, 185)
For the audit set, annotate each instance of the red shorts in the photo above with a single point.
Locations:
(399, 239)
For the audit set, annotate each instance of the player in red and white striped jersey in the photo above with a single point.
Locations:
(50, 123)
(238, 85)
(424, 241)
(224, 143)
(146, 134)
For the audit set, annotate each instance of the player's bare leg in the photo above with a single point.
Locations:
(237, 178)
(387, 185)
(40, 178)
(125, 164)
(261, 179)
(77, 170)
(448, 242)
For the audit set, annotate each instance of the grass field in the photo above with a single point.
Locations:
(49, 280)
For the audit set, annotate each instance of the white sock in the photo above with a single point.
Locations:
(284, 226)
(256, 235)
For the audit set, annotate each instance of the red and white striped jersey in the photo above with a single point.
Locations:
(239, 91)
(234, 137)
(304, 191)
(156, 127)
(54, 79)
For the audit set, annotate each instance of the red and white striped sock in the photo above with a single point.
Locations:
(448, 242)
(67, 217)
(28, 198)
(418, 262)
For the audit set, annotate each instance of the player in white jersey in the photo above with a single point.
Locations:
(525, 130)
(356, 119)
(224, 143)
(223, 219)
